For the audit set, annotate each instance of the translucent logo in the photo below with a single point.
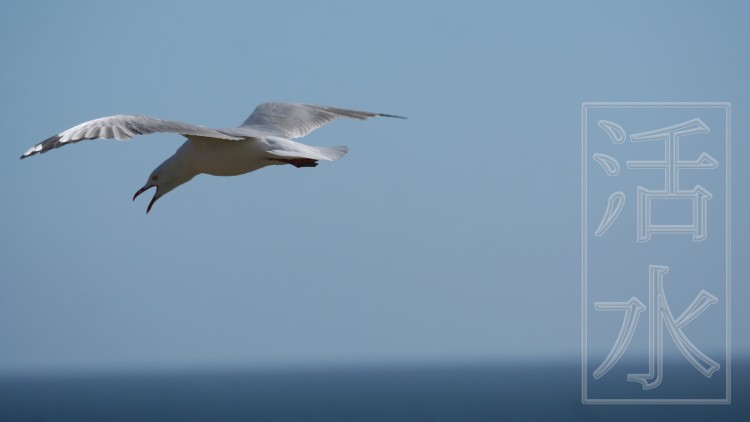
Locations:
(656, 237)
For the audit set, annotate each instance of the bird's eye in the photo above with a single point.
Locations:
(154, 178)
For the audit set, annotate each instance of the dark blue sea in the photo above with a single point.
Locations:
(486, 392)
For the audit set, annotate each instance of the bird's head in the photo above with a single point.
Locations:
(164, 178)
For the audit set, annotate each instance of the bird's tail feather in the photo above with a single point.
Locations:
(333, 153)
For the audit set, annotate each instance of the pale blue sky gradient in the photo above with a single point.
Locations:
(451, 236)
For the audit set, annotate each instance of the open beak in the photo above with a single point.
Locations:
(144, 189)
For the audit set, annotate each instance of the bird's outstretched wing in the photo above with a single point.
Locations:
(297, 120)
(123, 127)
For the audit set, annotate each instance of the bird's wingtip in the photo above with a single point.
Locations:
(392, 115)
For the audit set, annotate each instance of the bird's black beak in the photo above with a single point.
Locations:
(144, 189)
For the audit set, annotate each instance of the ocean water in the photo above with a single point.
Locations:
(479, 392)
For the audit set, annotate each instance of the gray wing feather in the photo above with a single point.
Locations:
(297, 120)
(123, 127)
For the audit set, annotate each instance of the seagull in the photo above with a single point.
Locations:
(263, 139)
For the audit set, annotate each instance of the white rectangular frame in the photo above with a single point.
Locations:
(584, 250)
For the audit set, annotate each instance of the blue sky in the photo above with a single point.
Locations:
(451, 236)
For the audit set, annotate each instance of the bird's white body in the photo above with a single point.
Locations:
(263, 139)
(224, 158)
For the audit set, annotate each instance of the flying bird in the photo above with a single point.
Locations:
(263, 139)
